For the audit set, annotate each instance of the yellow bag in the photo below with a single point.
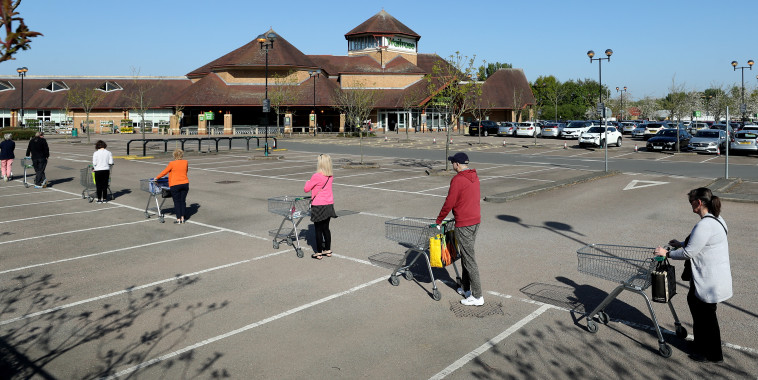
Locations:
(435, 251)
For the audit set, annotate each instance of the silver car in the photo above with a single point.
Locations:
(627, 127)
(744, 142)
(553, 129)
(506, 128)
(639, 131)
(708, 141)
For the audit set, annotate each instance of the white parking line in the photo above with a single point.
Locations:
(52, 215)
(243, 329)
(490, 343)
(39, 203)
(708, 159)
(72, 232)
(18, 194)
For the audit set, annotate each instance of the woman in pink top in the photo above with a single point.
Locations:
(322, 205)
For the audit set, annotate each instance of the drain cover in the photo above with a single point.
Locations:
(486, 310)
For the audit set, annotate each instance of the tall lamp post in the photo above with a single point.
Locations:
(743, 106)
(267, 42)
(601, 106)
(622, 100)
(22, 73)
(314, 74)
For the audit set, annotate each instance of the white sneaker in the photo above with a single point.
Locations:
(465, 294)
(471, 301)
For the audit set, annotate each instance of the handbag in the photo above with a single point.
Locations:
(165, 193)
(687, 272)
(663, 282)
(435, 251)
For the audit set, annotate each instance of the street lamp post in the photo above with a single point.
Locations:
(22, 73)
(622, 101)
(601, 106)
(314, 74)
(743, 106)
(267, 42)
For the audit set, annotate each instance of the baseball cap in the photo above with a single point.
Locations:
(459, 157)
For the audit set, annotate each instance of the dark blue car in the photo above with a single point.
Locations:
(665, 139)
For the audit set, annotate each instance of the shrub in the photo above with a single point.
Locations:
(18, 133)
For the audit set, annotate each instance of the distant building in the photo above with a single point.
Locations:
(382, 53)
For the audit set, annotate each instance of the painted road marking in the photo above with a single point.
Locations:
(52, 215)
(637, 184)
(72, 232)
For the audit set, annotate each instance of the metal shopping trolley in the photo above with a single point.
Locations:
(415, 233)
(155, 188)
(26, 162)
(631, 268)
(293, 209)
(87, 179)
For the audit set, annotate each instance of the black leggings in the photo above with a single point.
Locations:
(323, 236)
(179, 196)
(101, 184)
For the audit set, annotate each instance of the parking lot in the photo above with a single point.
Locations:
(92, 291)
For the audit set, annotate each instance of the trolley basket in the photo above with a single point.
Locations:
(155, 189)
(631, 268)
(27, 164)
(292, 209)
(87, 180)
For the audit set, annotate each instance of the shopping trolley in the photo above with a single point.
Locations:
(26, 162)
(415, 234)
(155, 189)
(631, 268)
(293, 209)
(87, 179)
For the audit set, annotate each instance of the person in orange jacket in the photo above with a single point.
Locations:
(178, 183)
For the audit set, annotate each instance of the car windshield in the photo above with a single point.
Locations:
(653, 125)
(747, 135)
(524, 125)
(710, 134)
(667, 132)
(595, 130)
(576, 124)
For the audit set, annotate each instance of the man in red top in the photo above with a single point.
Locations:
(463, 200)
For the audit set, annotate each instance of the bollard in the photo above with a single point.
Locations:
(451, 141)
(503, 143)
(635, 148)
(274, 146)
(434, 140)
(565, 146)
(385, 138)
(718, 151)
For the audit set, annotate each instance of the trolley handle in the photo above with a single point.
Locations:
(442, 225)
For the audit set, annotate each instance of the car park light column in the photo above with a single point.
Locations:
(743, 106)
(267, 42)
(591, 54)
(621, 114)
(22, 73)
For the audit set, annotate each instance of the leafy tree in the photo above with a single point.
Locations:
(487, 69)
(14, 40)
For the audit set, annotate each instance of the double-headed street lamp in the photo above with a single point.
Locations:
(22, 73)
(601, 106)
(314, 74)
(267, 42)
(743, 106)
(622, 100)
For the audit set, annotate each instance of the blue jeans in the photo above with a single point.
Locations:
(179, 195)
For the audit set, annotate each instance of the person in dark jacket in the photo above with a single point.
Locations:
(6, 157)
(39, 152)
(463, 200)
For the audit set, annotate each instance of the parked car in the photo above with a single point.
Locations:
(529, 128)
(696, 126)
(627, 127)
(724, 127)
(749, 127)
(666, 139)
(639, 131)
(708, 141)
(553, 129)
(506, 128)
(575, 128)
(744, 142)
(651, 129)
(488, 127)
(596, 136)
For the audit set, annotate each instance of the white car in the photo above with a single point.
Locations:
(596, 137)
(575, 128)
(529, 128)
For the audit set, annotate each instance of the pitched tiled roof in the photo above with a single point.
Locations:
(498, 89)
(382, 23)
(283, 54)
(35, 97)
(335, 65)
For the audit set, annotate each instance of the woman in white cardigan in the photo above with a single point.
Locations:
(708, 250)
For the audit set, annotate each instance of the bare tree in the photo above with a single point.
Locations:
(283, 92)
(452, 90)
(518, 104)
(18, 39)
(356, 103)
(411, 100)
(87, 98)
(139, 97)
(481, 112)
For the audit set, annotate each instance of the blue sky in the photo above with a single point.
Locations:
(654, 42)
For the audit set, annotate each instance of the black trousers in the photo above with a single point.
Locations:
(323, 236)
(179, 195)
(101, 184)
(705, 327)
(39, 170)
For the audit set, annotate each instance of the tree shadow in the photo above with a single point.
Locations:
(41, 331)
(418, 163)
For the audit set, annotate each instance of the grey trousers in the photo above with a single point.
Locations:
(470, 278)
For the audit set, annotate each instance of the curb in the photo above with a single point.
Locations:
(511, 195)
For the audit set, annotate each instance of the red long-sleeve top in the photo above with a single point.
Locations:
(463, 199)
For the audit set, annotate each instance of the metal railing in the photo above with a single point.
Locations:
(199, 140)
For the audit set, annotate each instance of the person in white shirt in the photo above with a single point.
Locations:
(102, 160)
(707, 249)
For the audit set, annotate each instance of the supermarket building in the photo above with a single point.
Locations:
(382, 54)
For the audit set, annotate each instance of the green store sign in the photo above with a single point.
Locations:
(399, 43)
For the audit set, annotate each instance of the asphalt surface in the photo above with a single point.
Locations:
(92, 291)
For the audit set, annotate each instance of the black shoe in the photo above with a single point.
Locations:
(177, 221)
(702, 359)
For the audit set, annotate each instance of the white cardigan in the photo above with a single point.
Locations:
(102, 159)
(708, 249)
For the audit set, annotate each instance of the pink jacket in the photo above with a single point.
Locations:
(322, 195)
